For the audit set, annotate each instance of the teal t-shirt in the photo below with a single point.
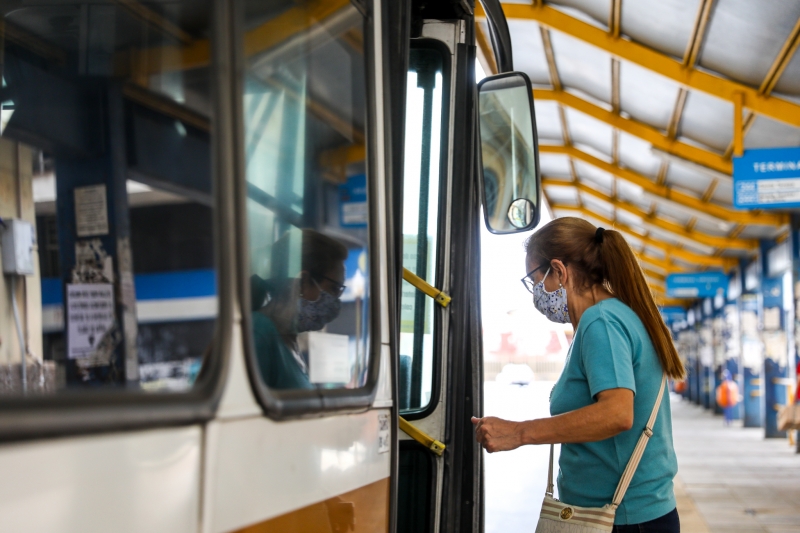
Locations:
(611, 350)
(279, 368)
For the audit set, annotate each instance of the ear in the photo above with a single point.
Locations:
(560, 270)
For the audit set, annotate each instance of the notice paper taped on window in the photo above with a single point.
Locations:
(90, 314)
(328, 358)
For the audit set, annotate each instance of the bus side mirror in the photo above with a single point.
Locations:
(509, 153)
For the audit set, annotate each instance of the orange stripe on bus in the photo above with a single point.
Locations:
(364, 510)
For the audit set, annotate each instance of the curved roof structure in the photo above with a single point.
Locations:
(640, 107)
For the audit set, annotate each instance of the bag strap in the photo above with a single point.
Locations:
(633, 463)
(549, 490)
(638, 451)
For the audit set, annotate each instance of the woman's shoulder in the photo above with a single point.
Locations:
(263, 325)
(609, 311)
(610, 308)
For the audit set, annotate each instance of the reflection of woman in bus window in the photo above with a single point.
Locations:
(293, 306)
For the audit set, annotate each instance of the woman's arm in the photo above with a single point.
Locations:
(609, 416)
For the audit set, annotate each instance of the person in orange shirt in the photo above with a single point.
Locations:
(727, 396)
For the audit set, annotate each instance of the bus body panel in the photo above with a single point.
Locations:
(259, 469)
(122, 482)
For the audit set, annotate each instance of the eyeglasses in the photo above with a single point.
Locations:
(338, 288)
(528, 279)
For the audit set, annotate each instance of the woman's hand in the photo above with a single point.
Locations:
(610, 415)
(496, 434)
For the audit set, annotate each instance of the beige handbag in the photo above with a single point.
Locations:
(789, 417)
(561, 517)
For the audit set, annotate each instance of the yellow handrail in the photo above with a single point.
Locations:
(420, 436)
(438, 296)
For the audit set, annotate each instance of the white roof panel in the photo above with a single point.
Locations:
(645, 96)
(744, 37)
(637, 155)
(548, 123)
(582, 66)
(529, 56)
(708, 120)
(665, 25)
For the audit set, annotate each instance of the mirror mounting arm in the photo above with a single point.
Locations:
(499, 35)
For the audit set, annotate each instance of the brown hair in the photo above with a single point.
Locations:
(606, 260)
(321, 253)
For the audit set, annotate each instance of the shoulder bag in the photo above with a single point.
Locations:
(789, 417)
(561, 517)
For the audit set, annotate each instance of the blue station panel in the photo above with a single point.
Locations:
(673, 313)
(697, 285)
(766, 178)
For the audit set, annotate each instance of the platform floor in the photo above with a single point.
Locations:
(731, 479)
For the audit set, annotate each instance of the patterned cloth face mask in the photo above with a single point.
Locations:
(553, 305)
(313, 315)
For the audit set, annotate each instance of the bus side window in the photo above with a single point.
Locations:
(304, 106)
(425, 127)
(105, 149)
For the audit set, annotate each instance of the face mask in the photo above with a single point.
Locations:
(312, 316)
(553, 305)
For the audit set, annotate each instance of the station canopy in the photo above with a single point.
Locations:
(640, 106)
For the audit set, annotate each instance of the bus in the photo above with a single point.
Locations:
(240, 246)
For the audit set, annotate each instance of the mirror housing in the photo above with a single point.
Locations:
(509, 169)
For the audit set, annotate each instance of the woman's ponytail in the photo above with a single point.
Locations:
(625, 279)
(603, 256)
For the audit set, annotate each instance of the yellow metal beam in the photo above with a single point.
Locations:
(660, 295)
(677, 114)
(679, 231)
(555, 79)
(738, 126)
(653, 274)
(669, 249)
(782, 60)
(637, 129)
(698, 32)
(155, 20)
(648, 58)
(663, 264)
(615, 18)
(680, 198)
(334, 162)
(197, 54)
(32, 43)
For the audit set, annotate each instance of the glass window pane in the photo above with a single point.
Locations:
(420, 224)
(305, 121)
(105, 173)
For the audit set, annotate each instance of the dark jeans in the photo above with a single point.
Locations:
(669, 523)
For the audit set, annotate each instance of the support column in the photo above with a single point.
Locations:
(694, 362)
(775, 285)
(718, 327)
(706, 353)
(691, 356)
(733, 335)
(795, 351)
(94, 244)
(752, 356)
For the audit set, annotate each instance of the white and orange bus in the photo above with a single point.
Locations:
(209, 209)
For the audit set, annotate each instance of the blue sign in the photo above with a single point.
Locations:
(766, 178)
(673, 313)
(696, 285)
(353, 212)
